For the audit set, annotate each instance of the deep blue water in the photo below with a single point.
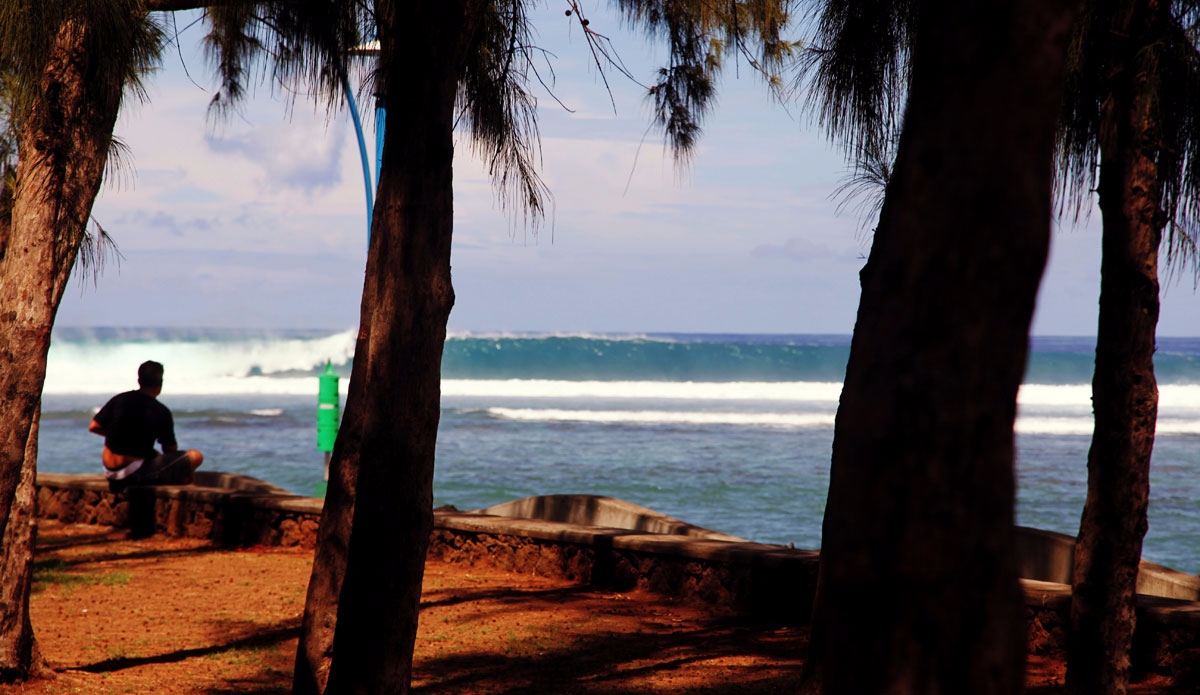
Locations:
(728, 432)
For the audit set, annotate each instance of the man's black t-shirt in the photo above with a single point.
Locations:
(132, 421)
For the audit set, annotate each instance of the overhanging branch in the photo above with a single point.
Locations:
(180, 5)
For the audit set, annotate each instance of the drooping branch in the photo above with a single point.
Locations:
(181, 5)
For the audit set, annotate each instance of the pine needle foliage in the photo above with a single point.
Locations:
(863, 189)
(303, 45)
(121, 40)
(498, 110)
(699, 34)
(308, 42)
(120, 45)
(1173, 67)
(857, 69)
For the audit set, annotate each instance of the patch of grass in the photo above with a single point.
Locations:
(57, 573)
(239, 655)
(118, 652)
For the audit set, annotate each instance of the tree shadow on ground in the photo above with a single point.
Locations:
(262, 638)
(50, 543)
(119, 556)
(718, 656)
(722, 657)
(456, 596)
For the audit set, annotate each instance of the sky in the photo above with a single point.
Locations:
(259, 221)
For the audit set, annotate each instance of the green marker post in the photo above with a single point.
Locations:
(327, 417)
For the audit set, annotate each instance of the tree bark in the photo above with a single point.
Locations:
(1124, 392)
(19, 654)
(917, 590)
(386, 444)
(315, 650)
(64, 144)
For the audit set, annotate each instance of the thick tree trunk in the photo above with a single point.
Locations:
(63, 146)
(394, 405)
(917, 591)
(1124, 391)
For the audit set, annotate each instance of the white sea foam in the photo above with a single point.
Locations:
(1025, 425)
(1170, 396)
(665, 417)
(659, 390)
(267, 412)
(1054, 425)
(194, 367)
(541, 335)
(1084, 425)
(187, 385)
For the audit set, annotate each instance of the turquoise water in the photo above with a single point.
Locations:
(728, 432)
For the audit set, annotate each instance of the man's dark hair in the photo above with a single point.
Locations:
(150, 374)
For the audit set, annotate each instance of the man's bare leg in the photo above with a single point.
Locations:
(195, 458)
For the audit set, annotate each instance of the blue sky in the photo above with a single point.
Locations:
(260, 222)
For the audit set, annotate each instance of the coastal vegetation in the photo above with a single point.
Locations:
(66, 67)
(474, 63)
(922, 588)
(1128, 131)
(917, 574)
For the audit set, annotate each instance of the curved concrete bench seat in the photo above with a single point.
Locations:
(1047, 556)
(594, 510)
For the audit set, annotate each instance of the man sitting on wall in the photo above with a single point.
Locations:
(130, 423)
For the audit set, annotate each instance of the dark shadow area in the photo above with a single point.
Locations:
(496, 602)
(142, 555)
(506, 595)
(1135, 688)
(260, 639)
(268, 684)
(77, 541)
(602, 663)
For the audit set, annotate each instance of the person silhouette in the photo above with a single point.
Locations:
(130, 423)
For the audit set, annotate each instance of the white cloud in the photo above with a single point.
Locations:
(233, 225)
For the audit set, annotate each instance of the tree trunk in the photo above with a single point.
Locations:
(19, 653)
(395, 391)
(63, 147)
(917, 591)
(314, 652)
(1124, 391)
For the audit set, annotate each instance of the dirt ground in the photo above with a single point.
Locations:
(168, 615)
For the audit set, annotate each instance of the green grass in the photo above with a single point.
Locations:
(54, 572)
(239, 655)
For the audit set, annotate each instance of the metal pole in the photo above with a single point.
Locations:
(362, 151)
(380, 125)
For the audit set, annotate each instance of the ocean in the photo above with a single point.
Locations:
(729, 432)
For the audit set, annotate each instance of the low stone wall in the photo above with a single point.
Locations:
(773, 582)
(229, 509)
(237, 510)
(747, 578)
